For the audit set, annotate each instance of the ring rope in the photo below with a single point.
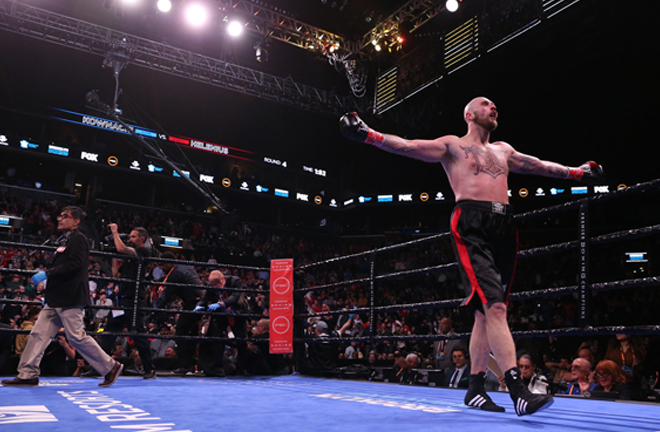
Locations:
(402, 273)
(568, 331)
(546, 292)
(638, 188)
(134, 334)
(137, 258)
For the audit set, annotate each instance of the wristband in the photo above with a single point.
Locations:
(574, 174)
(375, 138)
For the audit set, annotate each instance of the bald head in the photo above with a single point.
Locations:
(263, 325)
(580, 367)
(473, 105)
(481, 112)
(217, 278)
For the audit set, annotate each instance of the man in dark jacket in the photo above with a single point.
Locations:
(187, 323)
(259, 360)
(67, 293)
(223, 303)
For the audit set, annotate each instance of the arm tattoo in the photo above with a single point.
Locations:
(486, 162)
(527, 164)
(558, 170)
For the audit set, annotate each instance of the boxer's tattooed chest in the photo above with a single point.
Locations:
(485, 161)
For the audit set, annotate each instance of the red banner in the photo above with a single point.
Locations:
(281, 306)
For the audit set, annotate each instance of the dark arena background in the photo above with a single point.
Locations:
(227, 149)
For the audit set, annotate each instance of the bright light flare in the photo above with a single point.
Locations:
(164, 5)
(235, 28)
(196, 15)
(452, 5)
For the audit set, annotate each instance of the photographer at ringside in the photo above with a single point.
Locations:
(138, 245)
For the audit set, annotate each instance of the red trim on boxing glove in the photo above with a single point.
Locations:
(375, 138)
(575, 174)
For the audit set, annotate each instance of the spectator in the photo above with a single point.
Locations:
(159, 345)
(258, 360)
(407, 373)
(101, 314)
(586, 353)
(443, 348)
(27, 324)
(535, 381)
(629, 354)
(580, 383)
(170, 352)
(611, 380)
(399, 364)
(561, 372)
(322, 357)
(459, 375)
(352, 351)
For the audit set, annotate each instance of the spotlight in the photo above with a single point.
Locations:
(452, 5)
(377, 47)
(196, 15)
(235, 28)
(261, 52)
(164, 5)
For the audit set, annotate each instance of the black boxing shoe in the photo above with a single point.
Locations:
(483, 402)
(524, 401)
(477, 397)
(531, 403)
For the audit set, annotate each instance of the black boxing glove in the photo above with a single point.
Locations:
(352, 127)
(589, 172)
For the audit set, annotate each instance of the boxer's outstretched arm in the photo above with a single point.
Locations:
(524, 164)
(354, 128)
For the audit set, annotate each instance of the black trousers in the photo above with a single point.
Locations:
(125, 321)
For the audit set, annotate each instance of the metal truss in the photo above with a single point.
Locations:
(270, 23)
(275, 25)
(416, 12)
(48, 26)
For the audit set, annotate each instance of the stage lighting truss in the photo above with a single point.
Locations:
(387, 34)
(276, 25)
(27, 20)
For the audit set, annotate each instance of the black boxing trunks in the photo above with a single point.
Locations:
(485, 242)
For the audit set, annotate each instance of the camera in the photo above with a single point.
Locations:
(108, 243)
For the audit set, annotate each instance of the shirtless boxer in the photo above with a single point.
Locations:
(484, 237)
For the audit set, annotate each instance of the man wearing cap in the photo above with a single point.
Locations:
(323, 357)
(67, 294)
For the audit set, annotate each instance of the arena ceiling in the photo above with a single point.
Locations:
(569, 89)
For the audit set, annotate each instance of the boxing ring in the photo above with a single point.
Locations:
(580, 250)
(290, 403)
(295, 402)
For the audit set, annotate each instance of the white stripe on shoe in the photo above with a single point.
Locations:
(521, 406)
(477, 401)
